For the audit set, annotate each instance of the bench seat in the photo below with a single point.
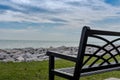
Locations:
(70, 71)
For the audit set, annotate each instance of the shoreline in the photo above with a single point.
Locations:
(33, 54)
(39, 54)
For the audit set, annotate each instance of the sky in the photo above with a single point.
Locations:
(56, 19)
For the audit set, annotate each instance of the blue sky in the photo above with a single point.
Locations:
(56, 19)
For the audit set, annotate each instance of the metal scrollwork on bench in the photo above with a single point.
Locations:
(106, 52)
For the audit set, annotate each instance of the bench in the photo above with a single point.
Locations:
(99, 51)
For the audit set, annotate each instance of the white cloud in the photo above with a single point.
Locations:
(84, 11)
(20, 17)
(21, 1)
(27, 30)
(21, 34)
(32, 34)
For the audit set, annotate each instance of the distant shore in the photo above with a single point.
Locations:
(33, 54)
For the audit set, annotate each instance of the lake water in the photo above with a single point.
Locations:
(35, 43)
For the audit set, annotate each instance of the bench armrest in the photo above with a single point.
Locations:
(56, 54)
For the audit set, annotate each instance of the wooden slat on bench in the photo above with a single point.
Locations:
(69, 71)
(99, 71)
(65, 72)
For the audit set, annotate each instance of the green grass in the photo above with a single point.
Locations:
(39, 71)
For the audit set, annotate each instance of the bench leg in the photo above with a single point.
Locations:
(51, 77)
(74, 79)
(51, 67)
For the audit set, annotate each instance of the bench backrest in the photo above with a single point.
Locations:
(98, 50)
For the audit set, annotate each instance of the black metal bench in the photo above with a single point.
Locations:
(92, 57)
